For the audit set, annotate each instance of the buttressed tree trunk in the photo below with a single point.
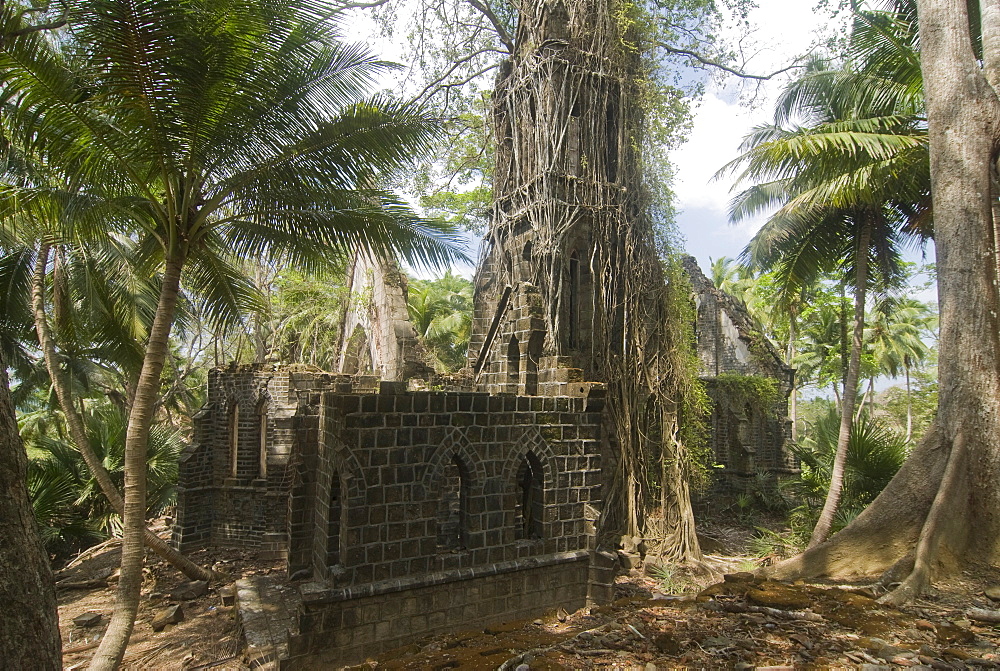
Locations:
(29, 629)
(941, 508)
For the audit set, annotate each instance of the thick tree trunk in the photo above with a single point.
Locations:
(109, 654)
(948, 487)
(78, 432)
(29, 627)
(826, 517)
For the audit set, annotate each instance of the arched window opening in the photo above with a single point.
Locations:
(529, 510)
(514, 361)
(452, 507)
(262, 437)
(611, 166)
(573, 302)
(334, 513)
(234, 437)
(526, 252)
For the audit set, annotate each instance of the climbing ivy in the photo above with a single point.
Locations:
(754, 390)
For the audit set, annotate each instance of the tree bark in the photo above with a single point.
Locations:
(826, 516)
(112, 649)
(78, 431)
(29, 627)
(937, 500)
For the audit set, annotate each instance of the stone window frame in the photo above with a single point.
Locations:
(457, 445)
(233, 435)
(263, 407)
(529, 439)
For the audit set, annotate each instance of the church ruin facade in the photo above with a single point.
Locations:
(402, 512)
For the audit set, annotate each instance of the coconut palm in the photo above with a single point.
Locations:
(441, 312)
(896, 339)
(207, 130)
(852, 184)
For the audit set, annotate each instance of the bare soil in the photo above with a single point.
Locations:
(209, 636)
(666, 621)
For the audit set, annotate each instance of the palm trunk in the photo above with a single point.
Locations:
(77, 430)
(825, 522)
(794, 394)
(112, 649)
(865, 399)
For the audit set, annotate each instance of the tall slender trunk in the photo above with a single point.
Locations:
(112, 649)
(77, 429)
(793, 397)
(826, 516)
(869, 392)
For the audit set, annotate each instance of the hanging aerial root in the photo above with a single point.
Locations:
(933, 529)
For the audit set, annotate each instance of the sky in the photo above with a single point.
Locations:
(784, 30)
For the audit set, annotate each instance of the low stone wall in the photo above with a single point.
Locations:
(343, 626)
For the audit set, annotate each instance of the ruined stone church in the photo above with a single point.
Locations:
(404, 511)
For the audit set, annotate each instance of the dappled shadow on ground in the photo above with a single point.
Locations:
(739, 623)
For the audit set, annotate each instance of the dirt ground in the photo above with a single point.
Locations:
(209, 636)
(666, 621)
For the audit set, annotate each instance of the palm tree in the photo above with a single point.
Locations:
(209, 130)
(875, 452)
(852, 186)
(896, 339)
(441, 312)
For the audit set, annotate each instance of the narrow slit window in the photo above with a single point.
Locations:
(514, 360)
(234, 438)
(452, 507)
(333, 522)
(529, 510)
(573, 308)
(262, 438)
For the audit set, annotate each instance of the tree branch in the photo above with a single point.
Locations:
(363, 5)
(704, 60)
(434, 86)
(502, 34)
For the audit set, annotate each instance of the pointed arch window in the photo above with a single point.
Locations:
(262, 438)
(530, 507)
(233, 434)
(452, 515)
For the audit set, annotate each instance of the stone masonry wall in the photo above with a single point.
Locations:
(475, 507)
(344, 626)
(385, 456)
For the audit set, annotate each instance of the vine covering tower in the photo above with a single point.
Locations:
(570, 290)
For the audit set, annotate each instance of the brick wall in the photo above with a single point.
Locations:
(477, 507)
(343, 626)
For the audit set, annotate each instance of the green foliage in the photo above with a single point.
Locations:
(441, 312)
(306, 316)
(874, 454)
(771, 545)
(694, 404)
(756, 390)
(70, 509)
(922, 401)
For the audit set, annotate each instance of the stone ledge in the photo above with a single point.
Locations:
(314, 593)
